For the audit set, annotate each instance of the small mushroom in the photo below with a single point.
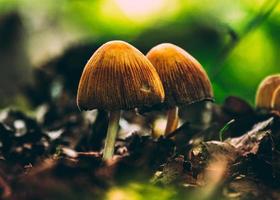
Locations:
(275, 102)
(265, 91)
(118, 76)
(183, 78)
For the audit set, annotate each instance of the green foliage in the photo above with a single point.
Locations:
(238, 42)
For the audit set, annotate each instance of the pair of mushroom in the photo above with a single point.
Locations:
(119, 77)
(268, 93)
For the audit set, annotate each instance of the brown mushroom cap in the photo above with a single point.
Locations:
(183, 78)
(275, 103)
(265, 91)
(118, 76)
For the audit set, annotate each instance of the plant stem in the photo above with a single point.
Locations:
(225, 128)
(172, 120)
(111, 135)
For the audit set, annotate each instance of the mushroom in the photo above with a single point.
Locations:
(183, 78)
(118, 77)
(275, 102)
(265, 91)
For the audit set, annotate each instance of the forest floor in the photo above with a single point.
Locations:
(228, 151)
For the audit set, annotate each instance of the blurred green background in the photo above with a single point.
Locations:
(237, 41)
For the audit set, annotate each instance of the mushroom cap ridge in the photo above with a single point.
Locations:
(118, 76)
(275, 104)
(265, 91)
(183, 78)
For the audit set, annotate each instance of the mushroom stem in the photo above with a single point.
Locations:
(114, 118)
(172, 120)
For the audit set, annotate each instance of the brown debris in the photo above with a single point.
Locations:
(6, 190)
(249, 142)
